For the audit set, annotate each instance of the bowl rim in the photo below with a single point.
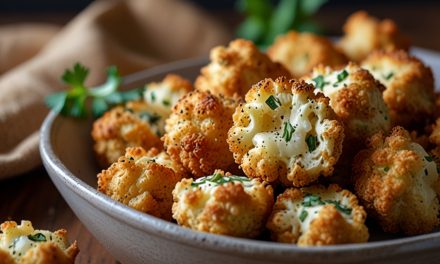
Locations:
(206, 241)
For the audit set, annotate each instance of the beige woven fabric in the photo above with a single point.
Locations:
(133, 35)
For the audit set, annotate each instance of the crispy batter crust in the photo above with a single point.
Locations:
(257, 161)
(196, 133)
(301, 52)
(234, 69)
(409, 84)
(122, 127)
(397, 183)
(52, 251)
(142, 180)
(328, 226)
(364, 33)
(229, 209)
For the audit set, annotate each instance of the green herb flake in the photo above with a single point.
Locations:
(288, 131)
(273, 102)
(166, 102)
(339, 206)
(153, 97)
(386, 169)
(303, 215)
(38, 237)
(429, 158)
(319, 82)
(389, 76)
(342, 75)
(312, 142)
(218, 179)
(312, 200)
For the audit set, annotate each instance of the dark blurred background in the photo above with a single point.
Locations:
(408, 14)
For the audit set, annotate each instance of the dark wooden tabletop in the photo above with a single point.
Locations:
(33, 196)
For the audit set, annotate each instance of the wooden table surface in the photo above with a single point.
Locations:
(33, 196)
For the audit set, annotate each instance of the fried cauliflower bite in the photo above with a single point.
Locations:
(397, 182)
(318, 216)
(234, 69)
(196, 133)
(364, 33)
(162, 96)
(301, 52)
(143, 180)
(284, 132)
(356, 98)
(223, 204)
(409, 92)
(125, 126)
(23, 244)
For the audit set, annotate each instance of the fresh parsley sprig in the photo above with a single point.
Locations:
(73, 101)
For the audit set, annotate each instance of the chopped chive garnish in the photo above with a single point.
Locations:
(342, 75)
(389, 75)
(273, 102)
(339, 206)
(429, 158)
(386, 169)
(303, 215)
(319, 82)
(288, 131)
(38, 237)
(166, 103)
(153, 97)
(312, 200)
(218, 179)
(311, 142)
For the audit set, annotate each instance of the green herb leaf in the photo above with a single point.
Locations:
(312, 142)
(56, 101)
(319, 82)
(218, 179)
(312, 200)
(99, 106)
(342, 75)
(38, 237)
(273, 102)
(389, 76)
(166, 102)
(288, 131)
(339, 206)
(429, 158)
(303, 215)
(76, 76)
(386, 169)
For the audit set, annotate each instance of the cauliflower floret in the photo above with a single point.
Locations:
(284, 132)
(138, 123)
(22, 244)
(409, 84)
(234, 69)
(300, 52)
(125, 126)
(161, 96)
(196, 133)
(364, 33)
(356, 98)
(397, 181)
(143, 180)
(318, 216)
(223, 204)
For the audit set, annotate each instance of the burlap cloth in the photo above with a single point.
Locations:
(133, 35)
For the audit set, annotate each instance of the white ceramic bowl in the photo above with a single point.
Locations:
(134, 237)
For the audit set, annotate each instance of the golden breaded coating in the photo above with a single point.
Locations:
(22, 244)
(143, 180)
(196, 133)
(223, 204)
(364, 33)
(234, 69)
(356, 98)
(138, 123)
(301, 52)
(318, 216)
(162, 96)
(409, 92)
(397, 182)
(125, 126)
(284, 132)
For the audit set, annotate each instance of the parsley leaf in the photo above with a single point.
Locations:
(312, 142)
(288, 131)
(303, 215)
(38, 237)
(73, 101)
(319, 82)
(342, 75)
